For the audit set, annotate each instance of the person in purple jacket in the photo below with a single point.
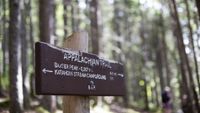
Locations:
(166, 100)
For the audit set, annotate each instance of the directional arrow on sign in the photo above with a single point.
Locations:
(45, 71)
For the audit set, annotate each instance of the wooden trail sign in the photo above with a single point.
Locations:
(64, 72)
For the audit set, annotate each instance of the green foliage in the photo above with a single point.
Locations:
(4, 103)
(41, 110)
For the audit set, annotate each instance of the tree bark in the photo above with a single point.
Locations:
(46, 20)
(5, 40)
(46, 23)
(158, 45)
(32, 43)
(196, 21)
(198, 7)
(75, 15)
(194, 57)
(94, 30)
(164, 48)
(146, 95)
(118, 20)
(1, 65)
(159, 66)
(156, 90)
(187, 103)
(4, 46)
(66, 4)
(24, 49)
(15, 72)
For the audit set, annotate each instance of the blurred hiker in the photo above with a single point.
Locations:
(166, 100)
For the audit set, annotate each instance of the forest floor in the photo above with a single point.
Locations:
(114, 108)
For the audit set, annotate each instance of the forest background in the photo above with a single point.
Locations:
(158, 41)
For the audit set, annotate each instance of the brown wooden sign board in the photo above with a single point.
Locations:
(64, 72)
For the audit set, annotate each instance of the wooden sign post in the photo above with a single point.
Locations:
(76, 104)
(72, 71)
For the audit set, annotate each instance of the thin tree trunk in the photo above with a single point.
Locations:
(15, 72)
(159, 66)
(53, 98)
(32, 42)
(164, 48)
(46, 21)
(65, 18)
(5, 39)
(146, 95)
(156, 90)
(4, 44)
(66, 3)
(54, 23)
(192, 44)
(94, 26)
(24, 57)
(198, 7)
(159, 60)
(1, 65)
(116, 20)
(144, 53)
(195, 59)
(187, 104)
(127, 23)
(75, 15)
(196, 21)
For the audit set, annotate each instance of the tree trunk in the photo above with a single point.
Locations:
(159, 53)
(187, 103)
(5, 40)
(15, 72)
(196, 21)
(46, 21)
(24, 49)
(164, 48)
(94, 32)
(94, 26)
(1, 65)
(117, 27)
(117, 19)
(146, 95)
(66, 3)
(159, 65)
(54, 23)
(4, 46)
(198, 7)
(32, 43)
(75, 15)
(195, 59)
(156, 90)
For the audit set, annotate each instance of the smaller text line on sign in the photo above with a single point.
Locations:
(64, 72)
